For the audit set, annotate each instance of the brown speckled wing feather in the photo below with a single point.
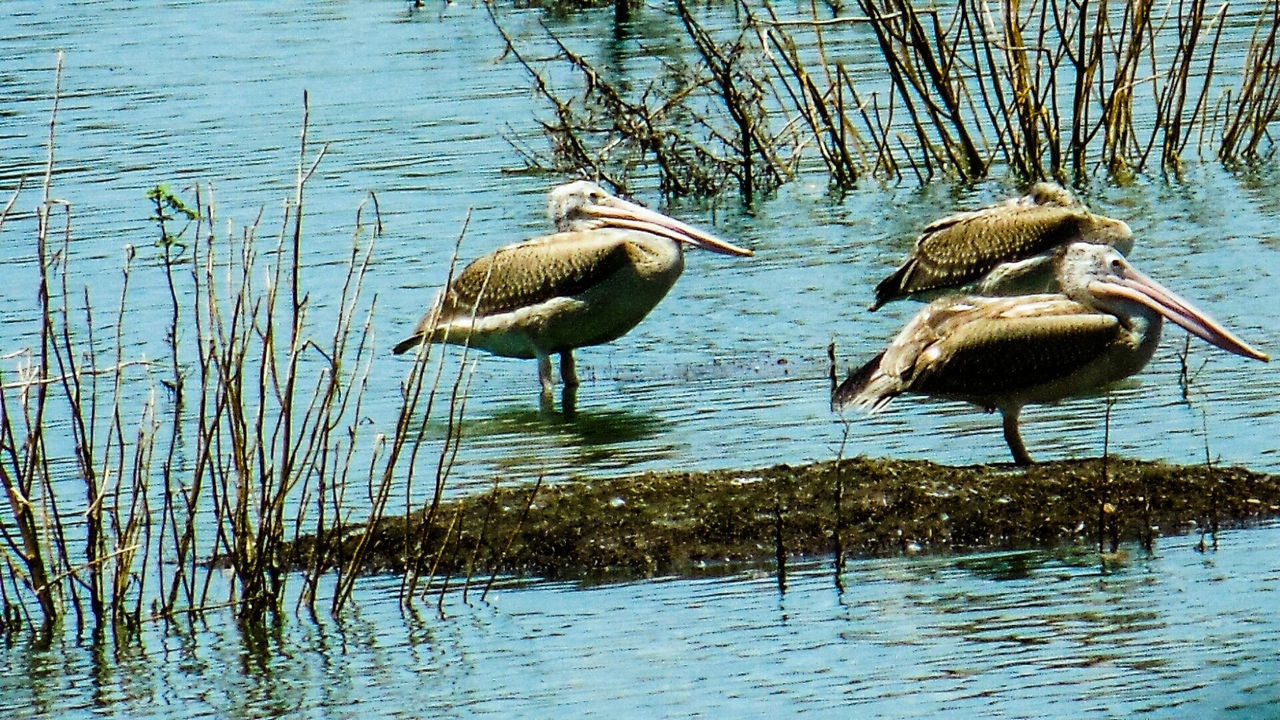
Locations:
(534, 271)
(1004, 352)
(961, 248)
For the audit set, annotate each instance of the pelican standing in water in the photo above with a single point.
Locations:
(609, 263)
(1004, 248)
(1003, 353)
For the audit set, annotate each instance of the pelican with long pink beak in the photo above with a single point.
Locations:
(1001, 353)
(609, 263)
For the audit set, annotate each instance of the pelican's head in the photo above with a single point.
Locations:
(1103, 230)
(1050, 193)
(565, 204)
(1092, 228)
(1099, 276)
(583, 206)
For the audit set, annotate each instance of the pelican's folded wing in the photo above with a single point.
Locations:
(1003, 354)
(960, 249)
(534, 271)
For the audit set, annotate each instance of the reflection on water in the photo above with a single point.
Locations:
(1006, 566)
(531, 436)
(575, 427)
(1023, 634)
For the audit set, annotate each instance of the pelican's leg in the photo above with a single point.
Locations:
(568, 369)
(1013, 437)
(569, 401)
(544, 375)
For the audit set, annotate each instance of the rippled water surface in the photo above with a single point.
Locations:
(1177, 634)
(421, 108)
(729, 371)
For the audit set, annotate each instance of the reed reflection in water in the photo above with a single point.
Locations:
(1024, 634)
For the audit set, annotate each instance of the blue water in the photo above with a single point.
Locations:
(425, 118)
(422, 109)
(1029, 635)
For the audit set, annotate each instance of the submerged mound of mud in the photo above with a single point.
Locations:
(680, 523)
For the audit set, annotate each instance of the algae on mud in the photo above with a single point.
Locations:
(685, 522)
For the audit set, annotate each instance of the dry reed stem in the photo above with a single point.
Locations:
(275, 411)
(1043, 89)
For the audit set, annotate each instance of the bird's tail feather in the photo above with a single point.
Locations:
(894, 286)
(865, 388)
(427, 329)
(407, 344)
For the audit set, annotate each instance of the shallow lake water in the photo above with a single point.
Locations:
(1028, 634)
(729, 371)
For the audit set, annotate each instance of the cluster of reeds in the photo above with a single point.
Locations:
(702, 125)
(197, 470)
(1044, 89)
(1058, 89)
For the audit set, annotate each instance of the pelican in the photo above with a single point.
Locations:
(1001, 353)
(1001, 246)
(609, 263)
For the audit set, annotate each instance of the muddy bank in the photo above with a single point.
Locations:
(681, 523)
